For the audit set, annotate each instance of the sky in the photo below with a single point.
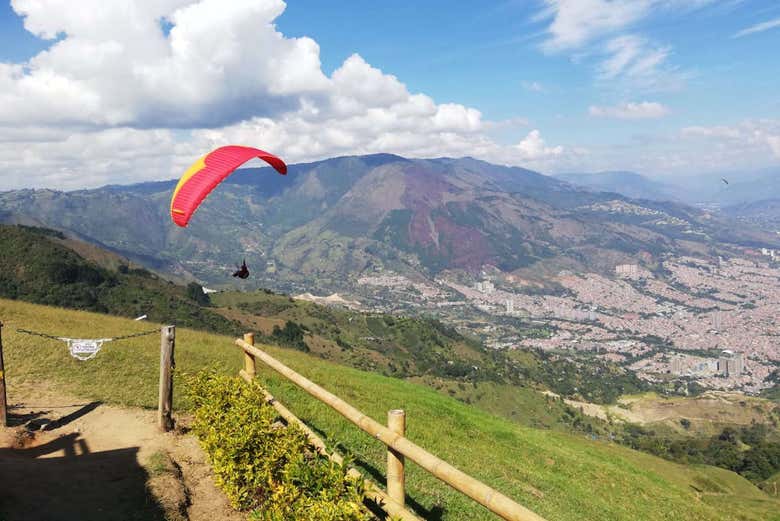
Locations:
(136, 90)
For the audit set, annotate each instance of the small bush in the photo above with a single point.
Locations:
(195, 292)
(291, 335)
(262, 465)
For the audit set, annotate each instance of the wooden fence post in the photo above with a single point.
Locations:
(249, 359)
(396, 422)
(167, 363)
(3, 398)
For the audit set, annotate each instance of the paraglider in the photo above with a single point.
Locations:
(242, 272)
(208, 172)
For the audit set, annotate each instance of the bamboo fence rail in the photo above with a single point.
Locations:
(486, 496)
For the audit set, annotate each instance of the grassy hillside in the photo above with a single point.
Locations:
(415, 347)
(42, 266)
(393, 345)
(560, 476)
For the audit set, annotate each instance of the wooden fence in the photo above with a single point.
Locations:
(3, 397)
(399, 447)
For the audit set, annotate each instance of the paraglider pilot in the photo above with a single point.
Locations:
(242, 272)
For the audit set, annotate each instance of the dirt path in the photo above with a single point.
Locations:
(65, 458)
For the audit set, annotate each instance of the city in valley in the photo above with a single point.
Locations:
(709, 321)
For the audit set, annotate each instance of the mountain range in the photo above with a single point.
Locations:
(724, 190)
(327, 222)
(629, 184)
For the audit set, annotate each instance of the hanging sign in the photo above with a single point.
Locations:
(82, 349)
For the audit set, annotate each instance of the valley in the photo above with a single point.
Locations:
(441, 261)
(670, 326)
(513, 258)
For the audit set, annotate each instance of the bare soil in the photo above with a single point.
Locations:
(707, 413)
(66, 458)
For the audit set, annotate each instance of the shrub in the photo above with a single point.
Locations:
(292, 334)
(195, 292)
(263, 465)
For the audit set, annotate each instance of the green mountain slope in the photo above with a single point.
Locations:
(42, 266)
(560, 476)
(325, 223)
(423, 348)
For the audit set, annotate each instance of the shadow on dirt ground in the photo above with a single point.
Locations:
(62, 479)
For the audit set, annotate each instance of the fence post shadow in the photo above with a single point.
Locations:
(38, 485)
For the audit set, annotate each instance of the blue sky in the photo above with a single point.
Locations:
(482, 57)
(663, 87)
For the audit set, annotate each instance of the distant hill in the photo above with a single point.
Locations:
(747, 191)
(325, 223)
(764, 213)
(628, 184)
(743, 187)
(43, 266)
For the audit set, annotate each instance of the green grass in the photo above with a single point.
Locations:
(560, 476)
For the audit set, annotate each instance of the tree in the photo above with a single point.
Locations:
(195, 292)
(291, 334)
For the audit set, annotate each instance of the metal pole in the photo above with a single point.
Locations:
(165, 410)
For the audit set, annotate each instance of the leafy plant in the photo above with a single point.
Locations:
(263, 465)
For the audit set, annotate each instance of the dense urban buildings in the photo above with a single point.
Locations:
(713, 321)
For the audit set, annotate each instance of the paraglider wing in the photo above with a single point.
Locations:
(208, 172)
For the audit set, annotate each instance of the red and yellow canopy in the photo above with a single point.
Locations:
(208, 172)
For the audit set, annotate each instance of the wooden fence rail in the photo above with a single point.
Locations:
(372, 491)
(401, 447)
(3, 397)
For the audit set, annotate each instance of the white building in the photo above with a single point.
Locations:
(677, 364)
(627, 270)
(485, 287)
(731, 363)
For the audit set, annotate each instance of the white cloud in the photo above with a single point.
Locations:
(576, 23)
(636, 63)
(533, 86)
(758, 28)
(774, 144)
(87, 159)
(115, 66)
(116, 99)
(748, 138)
(631, 55)
(604, 30)
(717, 131)
(638, 110)
(533, 147)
